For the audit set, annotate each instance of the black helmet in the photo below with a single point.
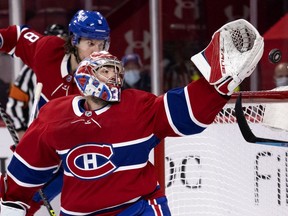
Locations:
(57, 30)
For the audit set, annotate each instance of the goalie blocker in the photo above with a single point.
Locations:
(13, 208)
(231, 56)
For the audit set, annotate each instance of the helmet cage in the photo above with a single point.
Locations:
(89, 84)
(118, 80)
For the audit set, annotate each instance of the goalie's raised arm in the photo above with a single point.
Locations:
(105, 135)
(231, 56)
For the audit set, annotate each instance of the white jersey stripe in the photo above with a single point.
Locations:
(190, 110)
(169, 117)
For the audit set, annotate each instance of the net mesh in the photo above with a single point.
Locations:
(218, 173)
(243, 38)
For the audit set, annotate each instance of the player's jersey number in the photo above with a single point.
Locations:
(31, 37)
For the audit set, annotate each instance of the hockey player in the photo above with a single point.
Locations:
(104, 137)
(21, 95)
(135, 74)
(55, 60)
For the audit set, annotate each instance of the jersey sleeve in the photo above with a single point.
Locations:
(37, 162)
(189, 110)
(9, 38)
(24, 43)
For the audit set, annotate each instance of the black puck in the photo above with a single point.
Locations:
(275, 56)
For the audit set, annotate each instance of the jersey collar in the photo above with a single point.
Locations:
(77, 105)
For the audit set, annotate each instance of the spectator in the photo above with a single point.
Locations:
(135, 76)
(281, 74)
(275, 113)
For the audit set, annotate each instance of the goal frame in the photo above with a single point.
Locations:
(247, 97)
(250, 97)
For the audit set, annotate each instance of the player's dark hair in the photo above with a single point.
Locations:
(69, 48)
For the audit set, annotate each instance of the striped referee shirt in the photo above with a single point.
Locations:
(21, 98)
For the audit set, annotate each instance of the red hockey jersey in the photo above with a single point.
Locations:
(45, 55)
(104, 152)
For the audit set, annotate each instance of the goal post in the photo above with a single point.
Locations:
(218, 173)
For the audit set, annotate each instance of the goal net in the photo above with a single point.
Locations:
(218, 173)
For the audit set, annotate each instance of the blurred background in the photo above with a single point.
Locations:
(183, 28)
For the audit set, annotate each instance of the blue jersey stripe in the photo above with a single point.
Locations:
(179, 113)
(39, 176)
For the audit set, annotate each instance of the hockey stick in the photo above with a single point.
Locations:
(11, 128)
(33, 114)
(46, 203)
(37, 93)
(247, 132)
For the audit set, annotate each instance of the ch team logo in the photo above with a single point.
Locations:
(90, 161)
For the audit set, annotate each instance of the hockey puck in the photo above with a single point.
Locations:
(275, 56)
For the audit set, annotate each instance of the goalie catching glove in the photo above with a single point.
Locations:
(231, 56)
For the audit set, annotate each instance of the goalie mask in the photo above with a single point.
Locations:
(94, 78)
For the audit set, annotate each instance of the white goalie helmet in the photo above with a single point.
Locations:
(91, 82)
